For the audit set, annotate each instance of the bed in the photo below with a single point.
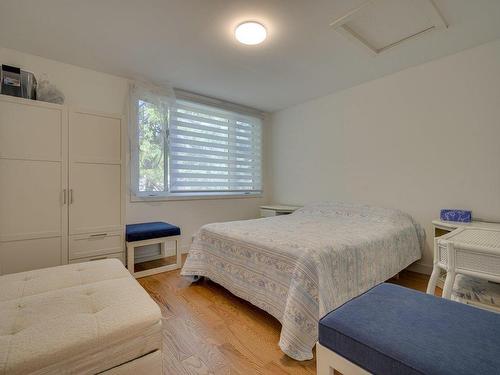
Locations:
(299, 267)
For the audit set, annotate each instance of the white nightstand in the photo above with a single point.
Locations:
(442, 227)
(468, 289)
(276, 210)
(467, 251)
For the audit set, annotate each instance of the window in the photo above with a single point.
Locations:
(151, 132)
(184, 148)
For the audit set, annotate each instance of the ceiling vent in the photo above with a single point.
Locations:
(379, 25)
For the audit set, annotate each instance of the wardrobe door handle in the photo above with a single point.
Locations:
(70, 196)
(98, 235)
(64, 196)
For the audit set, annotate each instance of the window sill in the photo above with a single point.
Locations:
(191, 197)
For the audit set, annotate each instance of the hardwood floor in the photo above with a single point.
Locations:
(207, 330)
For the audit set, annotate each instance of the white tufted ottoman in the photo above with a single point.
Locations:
(79, 318)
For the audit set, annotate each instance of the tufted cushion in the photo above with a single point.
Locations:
(394, 330)
(50, 315)
(147, 231)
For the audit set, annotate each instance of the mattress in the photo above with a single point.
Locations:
(79, 318)
(299, 267)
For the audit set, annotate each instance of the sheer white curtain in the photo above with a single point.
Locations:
(148, 135)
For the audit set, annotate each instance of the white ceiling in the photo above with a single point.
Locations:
(189, 43)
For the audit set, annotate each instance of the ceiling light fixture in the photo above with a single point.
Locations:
(250, 33)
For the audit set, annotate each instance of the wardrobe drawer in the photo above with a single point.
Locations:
(120, 256)
(95, 244)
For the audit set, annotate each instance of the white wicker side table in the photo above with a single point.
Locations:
(469, 251)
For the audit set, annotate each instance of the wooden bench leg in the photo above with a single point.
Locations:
(130, 258)
(178, 254)
(330, 363)
(322, 363)
(163, 248)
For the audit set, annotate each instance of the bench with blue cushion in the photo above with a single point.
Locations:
(395, 330)
(143, 234)
(146, 231)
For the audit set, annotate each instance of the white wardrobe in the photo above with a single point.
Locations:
(61, 185)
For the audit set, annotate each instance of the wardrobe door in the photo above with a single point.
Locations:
(95, 173)
(95, 198)
(33, 185)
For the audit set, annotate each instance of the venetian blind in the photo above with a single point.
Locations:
(213, 150)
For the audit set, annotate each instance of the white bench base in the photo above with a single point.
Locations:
(162, 241)
(328, 361)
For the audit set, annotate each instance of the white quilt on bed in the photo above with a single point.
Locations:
(298, 267)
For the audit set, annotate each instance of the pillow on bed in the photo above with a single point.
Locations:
(365, 212)
(346, 209)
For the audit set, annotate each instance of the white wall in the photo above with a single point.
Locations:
(88, 89)
(422, 139)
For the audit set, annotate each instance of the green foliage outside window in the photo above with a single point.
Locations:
(152, 126)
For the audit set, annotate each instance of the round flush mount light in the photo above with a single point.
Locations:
(250, 33)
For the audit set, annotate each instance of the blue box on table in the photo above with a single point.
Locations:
(461, 216)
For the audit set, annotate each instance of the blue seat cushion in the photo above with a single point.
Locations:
(147, 231)
(395, 330)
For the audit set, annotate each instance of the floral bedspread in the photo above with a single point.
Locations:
(299, 267)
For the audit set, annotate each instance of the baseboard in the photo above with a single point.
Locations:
(426, 269)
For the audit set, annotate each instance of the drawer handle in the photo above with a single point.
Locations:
(100, 258)
(99, 235)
